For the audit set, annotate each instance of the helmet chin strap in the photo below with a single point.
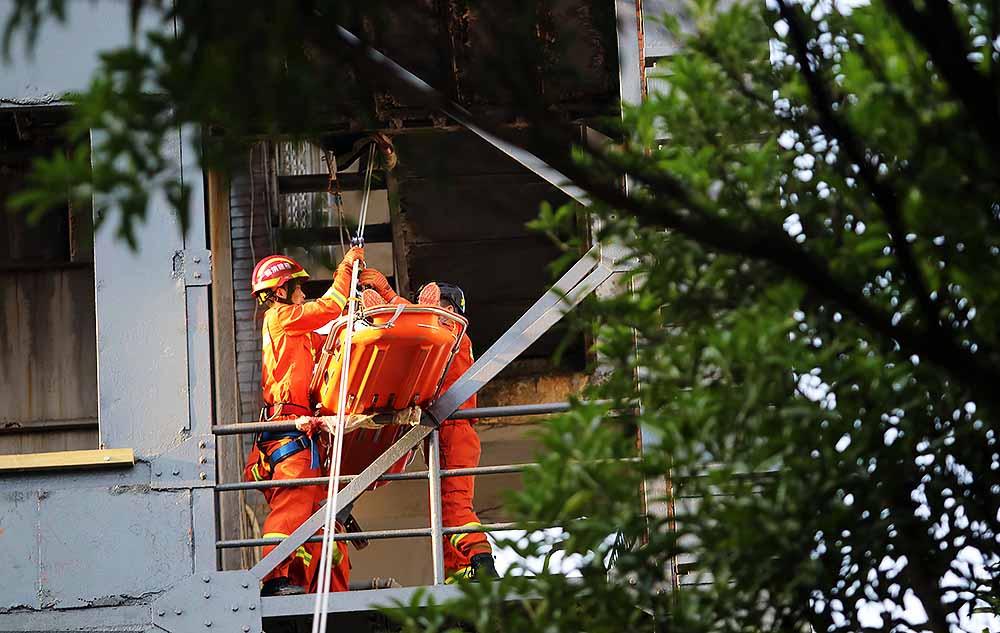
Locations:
(275, 297)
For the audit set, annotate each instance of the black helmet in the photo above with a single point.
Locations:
(452, 294)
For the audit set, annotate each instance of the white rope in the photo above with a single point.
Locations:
(366, 193)
(332, 490)
(322, 603)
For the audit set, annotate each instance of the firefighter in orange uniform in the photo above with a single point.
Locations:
(290, 350)
(465, 555)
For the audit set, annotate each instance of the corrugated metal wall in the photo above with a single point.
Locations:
(249, 200)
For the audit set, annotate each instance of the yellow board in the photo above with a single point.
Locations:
(58, 460)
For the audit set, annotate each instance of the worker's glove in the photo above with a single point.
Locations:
(342, 279)
(311, 425)
(357, 253)
(377, 281)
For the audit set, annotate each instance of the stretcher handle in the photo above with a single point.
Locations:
(388, 324)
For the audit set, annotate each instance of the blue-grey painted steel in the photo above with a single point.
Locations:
(142, 342)
(384, 534)
(367, 600)
(210, 601)
(92, 549)
(66, 54)
(113, 535)
(191, 464)
(630, 61)
(19, 585)
(199, 353)
(542, 408)
(133, 617)
(371, 599)
(82, 540)
(195, 264)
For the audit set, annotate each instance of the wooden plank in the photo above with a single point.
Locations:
(44, 426)
(229, 457)
(59, 460)
(81, 439)
(316, 183)
(399, 247)
(48, 336)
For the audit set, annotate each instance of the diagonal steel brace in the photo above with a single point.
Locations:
(347, 495)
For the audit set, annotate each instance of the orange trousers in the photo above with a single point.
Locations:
(460, 449)
(290, 507)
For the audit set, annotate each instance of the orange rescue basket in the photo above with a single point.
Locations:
(399, 356)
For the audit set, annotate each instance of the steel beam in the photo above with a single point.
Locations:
(320, 183)
(504, 469)
(371, 535)
(410, 476)
(533, 163)
(377, 599)
(581, 280)
(543, 408)
(354, 601)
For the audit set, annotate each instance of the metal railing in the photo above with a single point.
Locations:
(357, 484)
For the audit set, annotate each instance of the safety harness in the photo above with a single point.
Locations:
(291, 442)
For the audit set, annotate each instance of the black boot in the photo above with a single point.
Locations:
(280, 587)
(482, 567)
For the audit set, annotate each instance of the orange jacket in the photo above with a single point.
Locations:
(291, 349)
(462, 361)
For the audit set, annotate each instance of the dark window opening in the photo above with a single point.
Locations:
(47, 323)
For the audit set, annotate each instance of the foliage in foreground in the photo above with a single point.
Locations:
(816, 211)
(816, 334)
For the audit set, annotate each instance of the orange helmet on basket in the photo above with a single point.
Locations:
(273, 272)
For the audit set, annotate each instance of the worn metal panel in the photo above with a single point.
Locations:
(19, 549)
(103, 546)
(142, 332)
(197, 296)
(66, 54)
(104, 620)
(659, 42)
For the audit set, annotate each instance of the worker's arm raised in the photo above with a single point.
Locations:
(377, 281)
(300, 319)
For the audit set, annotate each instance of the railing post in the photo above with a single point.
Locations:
(434, 482)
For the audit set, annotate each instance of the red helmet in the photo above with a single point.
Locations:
(274, 271)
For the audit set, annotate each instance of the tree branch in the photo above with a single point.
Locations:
(885, 196)
(939, 34)
(780, 250)
(673, 207)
